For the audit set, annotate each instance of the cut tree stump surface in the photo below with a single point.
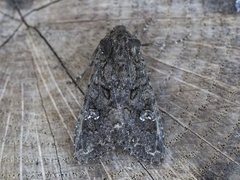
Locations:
(46, 45)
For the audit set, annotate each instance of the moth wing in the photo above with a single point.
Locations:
(145, 139)
(91, 138)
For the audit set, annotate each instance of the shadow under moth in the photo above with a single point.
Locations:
(119, 106)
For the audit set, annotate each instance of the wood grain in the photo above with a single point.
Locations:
(46, 45)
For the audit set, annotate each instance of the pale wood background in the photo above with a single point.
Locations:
(45, 44)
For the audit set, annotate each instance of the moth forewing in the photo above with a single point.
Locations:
(119, 106)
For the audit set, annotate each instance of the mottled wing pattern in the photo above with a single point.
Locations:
(119, 107)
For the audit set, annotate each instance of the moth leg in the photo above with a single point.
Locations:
(163, 46)
(87, 72)
(83, 80)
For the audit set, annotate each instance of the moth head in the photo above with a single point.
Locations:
(125, 40)
(120, 45)
(119, 32)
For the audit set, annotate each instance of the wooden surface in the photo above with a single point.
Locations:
(45, 45)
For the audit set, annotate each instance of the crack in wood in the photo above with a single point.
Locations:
(51, 48)
(49, 124)
(41, 7)
(146, 170)
(11, 36)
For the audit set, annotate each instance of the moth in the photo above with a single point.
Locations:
(119, 106)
